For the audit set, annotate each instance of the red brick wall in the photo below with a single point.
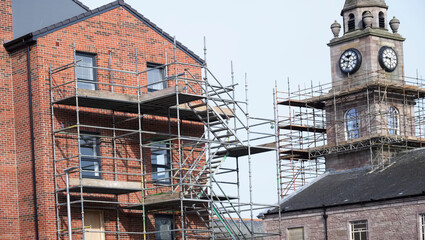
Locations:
(9, 212)
(116, 32)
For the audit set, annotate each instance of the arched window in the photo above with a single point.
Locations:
(351, 22)
(381, 20)
(393, 124)
(352, 127)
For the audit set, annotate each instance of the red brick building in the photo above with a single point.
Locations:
(111, 128)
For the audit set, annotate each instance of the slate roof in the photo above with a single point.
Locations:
(404, 178)
(10, 46)
(81, 5)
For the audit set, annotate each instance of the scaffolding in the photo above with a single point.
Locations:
(104, 139)
(316, 128)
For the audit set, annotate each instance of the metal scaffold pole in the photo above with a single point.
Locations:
(278, 184)
(80, 167)
(111, 113)
(249, 157)
(140, 129)
(55, 171)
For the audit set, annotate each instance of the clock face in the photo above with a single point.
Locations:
(388, 59)
(350, 61)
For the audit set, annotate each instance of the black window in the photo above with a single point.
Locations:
(351, 23)
(161, 164)
(381, 20)
(164, 227)
(156, 78)
(90, 155)
(86, 74)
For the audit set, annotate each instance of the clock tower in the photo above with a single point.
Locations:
(369, 113)
(366, 34)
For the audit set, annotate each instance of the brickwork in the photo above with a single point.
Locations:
(9, 197)
(114, 34)
(389, 220)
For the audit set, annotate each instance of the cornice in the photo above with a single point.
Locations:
(365, 33)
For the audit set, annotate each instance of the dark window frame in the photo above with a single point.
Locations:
(93, 56)
(158, 66)
(97, 159)
(172, 227)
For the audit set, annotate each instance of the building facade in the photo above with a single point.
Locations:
(112, 129)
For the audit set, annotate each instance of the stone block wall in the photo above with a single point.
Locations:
(386, 220)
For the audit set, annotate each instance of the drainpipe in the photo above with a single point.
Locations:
(325, 218)
(31, 116)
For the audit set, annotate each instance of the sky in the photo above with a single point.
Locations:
(270, 41)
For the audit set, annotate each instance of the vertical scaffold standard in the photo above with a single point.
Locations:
(363, 121)
(150, 155)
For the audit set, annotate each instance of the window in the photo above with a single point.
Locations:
(381, 20)
(86, 74)
(163, 227)
(393, 124)
(352, 124)
(161, 165)
(359, 230)
(351, 22)
(90, 153)
(296, 233)
(155, 76)
(422, 222)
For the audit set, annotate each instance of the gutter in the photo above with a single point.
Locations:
(19, 43)
(31, 116)
(354, 203)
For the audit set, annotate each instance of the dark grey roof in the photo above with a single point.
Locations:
(11, 45)
(82, 5)
(32, 15)
(404, 178)
(256, 224)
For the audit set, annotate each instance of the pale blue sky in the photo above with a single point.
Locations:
(271, 40)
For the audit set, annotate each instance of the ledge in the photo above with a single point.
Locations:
(364, 33)
(103, 186)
